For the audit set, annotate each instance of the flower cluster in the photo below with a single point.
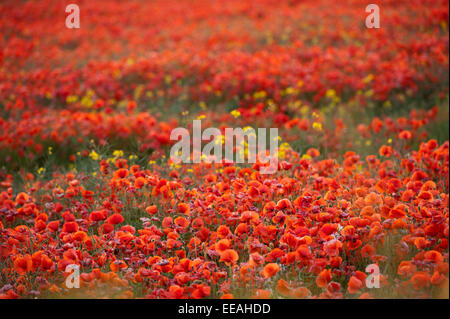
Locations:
(219, 231)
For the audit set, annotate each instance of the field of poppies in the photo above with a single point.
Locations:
(86, 178)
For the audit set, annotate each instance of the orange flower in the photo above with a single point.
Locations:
(313, 152)
(433, 256)
(255, 260)
(300, 293)
(121, 173)
(106, 228)
(70, 227)
(354, 285)
(253, 193)
(376, 124)
(270, 270)
(368, 251)
(181, 222)
(425, 195)
(283, 288)
(405, 135)
(184, 208)
(98, 215)
(80, 236)
(140, 182)
(223, 245)
(229, 256)
(437, 279)
(23, 264)
(399, 211)
(323, 278)
(115, 219)
(421, 242)
(152, 210)
(406, 268)
(46, 262)
(420, 280)
(223, 231)
(53, 225)
(386, 151)
(117, 265)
